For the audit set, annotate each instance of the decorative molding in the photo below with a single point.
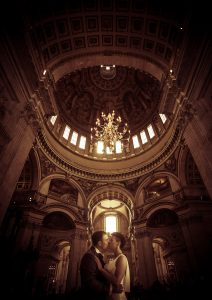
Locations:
(40, 199)
(47, 166)
(171, 92)
(171, 163)
(142, 233)
(68, 167)
(111, 195)
(30, 115)
(81, 234)
(186, 113)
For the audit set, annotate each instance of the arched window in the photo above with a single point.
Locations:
(111, 223)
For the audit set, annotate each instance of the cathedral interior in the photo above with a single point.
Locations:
(147, 66)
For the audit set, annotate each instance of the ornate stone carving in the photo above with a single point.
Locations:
(81, 234)
(170, 93)
(170, 164)
(111, 177)
(131, 94)
(31, 116)
(68, 199)
(47, 166)
(186, 114)
(87, 186)
(142, 233)
(138, 213)
(178, 196)
(40, 199)
(132, 185)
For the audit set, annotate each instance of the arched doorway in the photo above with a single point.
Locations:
(171, 259)
(159, 245)
(54, 252)
(62, 266)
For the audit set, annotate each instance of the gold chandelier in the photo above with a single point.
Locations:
(110, 134)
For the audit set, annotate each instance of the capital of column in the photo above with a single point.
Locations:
(142, 233)
(80, 234)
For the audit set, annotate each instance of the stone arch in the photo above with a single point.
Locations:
(154, 207)
(63, 66)
(58, 220)
(162, 217)
(173, 179)
(161, 239)
(74, 215)
(111, 192)
(45, 183)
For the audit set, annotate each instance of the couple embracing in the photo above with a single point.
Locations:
(105, 281)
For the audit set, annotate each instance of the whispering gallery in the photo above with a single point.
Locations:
(106, 124)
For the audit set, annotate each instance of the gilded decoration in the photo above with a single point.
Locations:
(82, 96)
(140, 170)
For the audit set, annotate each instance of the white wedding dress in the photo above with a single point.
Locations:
(111, 267)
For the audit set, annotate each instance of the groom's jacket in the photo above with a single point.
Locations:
(93, 284)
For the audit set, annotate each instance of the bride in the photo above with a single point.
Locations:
(117, 270)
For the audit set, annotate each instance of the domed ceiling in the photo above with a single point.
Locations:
(83, 95)
(140, 43)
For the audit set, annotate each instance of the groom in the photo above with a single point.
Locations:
(93, 285)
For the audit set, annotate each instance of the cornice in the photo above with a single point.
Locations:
(53, 66)
(72, 168)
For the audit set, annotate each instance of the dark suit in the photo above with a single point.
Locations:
(93, 285)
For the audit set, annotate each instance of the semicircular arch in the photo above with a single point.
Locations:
(173, 179)
(154, 207)
(50, 208)
(111, 192)
(63, 66)
(45, 183)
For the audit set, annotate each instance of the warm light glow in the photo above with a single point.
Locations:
(111, 223)
(118, 147)
(135, 142)
(82, 142)
(143, 137)
(151, 131)
(109, 151)
(107, 135)
(66, 132)
(100, 147)
(53, 119)
(163, 118)
(74, 138)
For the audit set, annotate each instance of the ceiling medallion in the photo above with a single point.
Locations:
(108, 72)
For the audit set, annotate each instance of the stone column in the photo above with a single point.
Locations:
(199, 139)
(12, 161)
(196, 242)
(189, 243)
(30, 228)
(78, 247)
(147, 269)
